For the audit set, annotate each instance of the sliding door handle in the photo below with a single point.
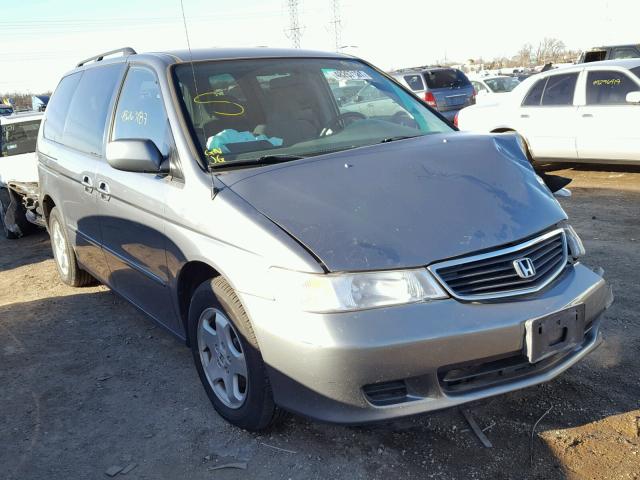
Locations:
(103, 189)
(87, 183)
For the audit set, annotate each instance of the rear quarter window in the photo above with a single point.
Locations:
(58, 107)
(535, 94)
(446, 78)
(415, 82)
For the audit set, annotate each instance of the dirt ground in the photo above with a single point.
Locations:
(88, 383)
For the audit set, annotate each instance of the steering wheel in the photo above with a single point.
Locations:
(340, 122)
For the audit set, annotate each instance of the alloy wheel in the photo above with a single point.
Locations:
(222, 357)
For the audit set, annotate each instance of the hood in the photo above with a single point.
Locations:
(404, 204)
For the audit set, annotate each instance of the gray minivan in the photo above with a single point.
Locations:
(446, 89)
(347, 267)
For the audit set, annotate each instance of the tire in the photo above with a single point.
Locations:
(5, 201)
(64, 255)
(221, 338)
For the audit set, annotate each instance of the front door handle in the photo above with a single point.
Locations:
(103, 189)
(587, 115)
(524, 115)
(87, 182)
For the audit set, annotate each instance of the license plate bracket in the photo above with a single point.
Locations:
(548, 335)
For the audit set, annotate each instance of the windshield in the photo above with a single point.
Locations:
(502, 84)
(18, 138)
(249, 109)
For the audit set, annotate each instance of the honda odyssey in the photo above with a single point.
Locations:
(350, 268)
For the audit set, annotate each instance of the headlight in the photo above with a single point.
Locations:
(576, 247)
(354, 291)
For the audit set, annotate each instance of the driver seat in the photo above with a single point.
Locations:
(291, 115)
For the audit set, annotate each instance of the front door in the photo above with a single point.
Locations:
(608, 125)
(131, 205)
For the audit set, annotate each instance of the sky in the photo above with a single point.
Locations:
(43, 39)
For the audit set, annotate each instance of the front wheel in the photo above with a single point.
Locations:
(228, 359)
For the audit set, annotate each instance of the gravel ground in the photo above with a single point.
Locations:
(88, 383)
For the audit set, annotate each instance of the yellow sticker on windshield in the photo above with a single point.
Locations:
(214, 155)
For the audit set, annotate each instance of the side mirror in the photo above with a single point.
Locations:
(633, 97)
(136, 155)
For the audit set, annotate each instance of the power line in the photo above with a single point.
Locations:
(295, 30)
(337, 24)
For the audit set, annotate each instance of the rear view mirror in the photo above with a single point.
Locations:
(633, 97)
(136, 155)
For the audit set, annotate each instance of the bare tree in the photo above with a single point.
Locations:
(523, 58)
(549, 50)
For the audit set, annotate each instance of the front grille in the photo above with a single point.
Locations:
(493, 274)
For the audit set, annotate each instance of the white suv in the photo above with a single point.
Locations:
(584, 113)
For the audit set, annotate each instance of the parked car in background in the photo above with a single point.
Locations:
(18, 173)
(5, 109)
(614, 52)
(314, 261)
(487, 88)
(586, 113)
(448, 90)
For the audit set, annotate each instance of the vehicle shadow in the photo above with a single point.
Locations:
(589, 167)
(32, 248)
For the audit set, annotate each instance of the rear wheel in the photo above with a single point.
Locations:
(228, 359)
(64, 255)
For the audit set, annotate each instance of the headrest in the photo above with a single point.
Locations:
(284, 82)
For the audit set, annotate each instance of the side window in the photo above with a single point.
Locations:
(608, 87)
(415, 82)
(478, 86)
(140, 113)
(59, 107)
(559, 89)
(535, 94)
(89, 108)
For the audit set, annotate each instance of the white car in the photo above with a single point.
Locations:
(584, 113)
(18, 173)
(490, 87)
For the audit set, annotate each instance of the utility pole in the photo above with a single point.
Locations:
(337, 24)
(295, 31)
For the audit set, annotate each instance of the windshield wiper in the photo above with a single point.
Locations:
(264, 160)
(397, 137)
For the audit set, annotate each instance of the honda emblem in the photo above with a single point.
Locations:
(524, 267)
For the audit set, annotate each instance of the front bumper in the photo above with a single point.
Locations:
(353, 367)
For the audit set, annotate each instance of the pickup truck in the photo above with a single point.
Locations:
(19, 204)
(611, 52)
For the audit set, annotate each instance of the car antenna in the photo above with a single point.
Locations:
(186, 33)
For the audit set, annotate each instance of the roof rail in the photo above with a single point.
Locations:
(413, 69)
(126, 51)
